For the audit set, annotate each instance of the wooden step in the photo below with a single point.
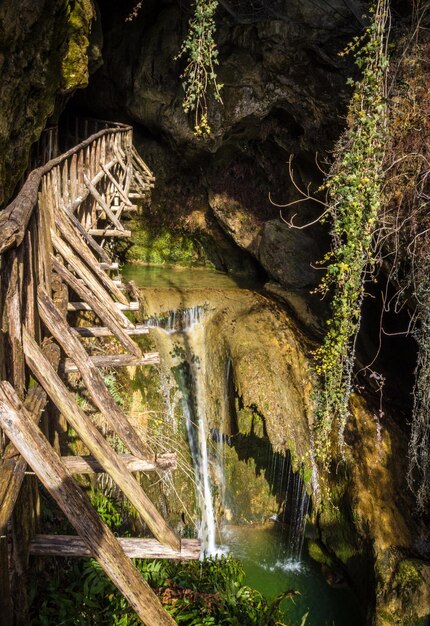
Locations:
(116, 360)
(73, 546)
(90, 465)
(102, 331)
(109, 232)
(84, 306)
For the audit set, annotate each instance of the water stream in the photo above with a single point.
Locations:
(273, 553)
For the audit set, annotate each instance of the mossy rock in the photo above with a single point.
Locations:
(165, 247)
(75, 62)
(318, 554)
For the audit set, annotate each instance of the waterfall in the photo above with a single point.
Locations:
(182, 341)
(186, 325)
(182, 320)
(297, 503)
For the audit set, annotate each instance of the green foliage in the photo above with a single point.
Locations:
(354, 201)
(196, 593)
(201, 53)
(111, 382)
(212, 592)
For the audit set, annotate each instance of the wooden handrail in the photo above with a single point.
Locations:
(15, 217)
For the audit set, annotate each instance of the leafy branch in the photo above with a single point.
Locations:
(354, 189)
(199, 76)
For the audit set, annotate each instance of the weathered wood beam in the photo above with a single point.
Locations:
(85, 234)
(102, 309)
(90, 465)
(134, 548)
(84, 306)
(101, 331)
(95, 181)
(109, 232)
(92, 278)
(57, 325)
(95, 534)
(81, 249)
(106, 208)
(115, 360)
(13, 467)
(116, 184)
(109, 266)
(136, 156)
(98, 446)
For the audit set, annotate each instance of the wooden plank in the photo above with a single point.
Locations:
(109, 232)
(101, 331)
(81, 248)
(90, 465)
(90, 280)
(97, 197)
(115, 360)
(134, 548)
(109, 266)
(104, 313)
(143, 183)
(84, 306)
(97, 445)
(98, 538)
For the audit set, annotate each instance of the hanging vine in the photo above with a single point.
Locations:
(199, 76)
(354, 200)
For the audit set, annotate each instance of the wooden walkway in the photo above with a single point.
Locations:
(55, 262)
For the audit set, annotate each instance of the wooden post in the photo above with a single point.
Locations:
(5, 597)
(13, 303)
(99, 539)
(12, 469)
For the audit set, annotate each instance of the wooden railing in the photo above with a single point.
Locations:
(54, 262)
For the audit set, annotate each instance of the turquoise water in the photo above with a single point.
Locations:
(264, 555)
(181, 278)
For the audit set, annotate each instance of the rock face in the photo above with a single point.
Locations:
(284, 92)
(43, 57)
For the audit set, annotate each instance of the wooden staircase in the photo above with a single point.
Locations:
(54, 263)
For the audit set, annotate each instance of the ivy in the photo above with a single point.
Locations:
(199, 76)
(354, 201)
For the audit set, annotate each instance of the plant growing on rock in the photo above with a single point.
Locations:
(354, 189)
(199, 76)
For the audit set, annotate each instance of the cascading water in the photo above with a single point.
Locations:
(183, 320)
(188, 324)
(187, 327)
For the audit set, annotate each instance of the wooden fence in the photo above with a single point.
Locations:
(54, 262)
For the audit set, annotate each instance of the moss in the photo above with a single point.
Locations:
(75, 62)
(318, 554)
(165, 247)
(337, 525)
(407, 579)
